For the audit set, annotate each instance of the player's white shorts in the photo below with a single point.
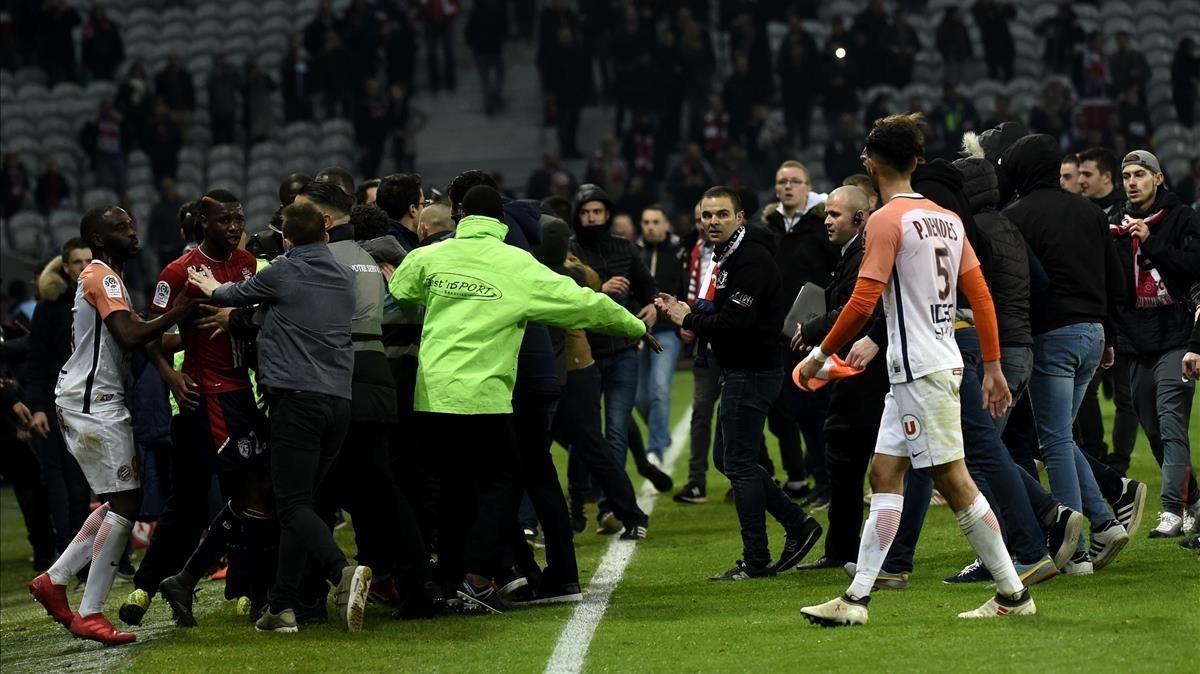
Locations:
(103, 446)
(922, 420)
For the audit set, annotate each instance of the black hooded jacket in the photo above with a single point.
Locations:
(994, 143)
(611, 256)
(749, 307)
(804, 254)
(1173, 248)
(1068, 234)
(1008, 270)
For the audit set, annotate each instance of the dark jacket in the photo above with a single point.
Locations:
(994, 143)
(1008, 271)
(802, 255)
(837, 292)
(304, 343)
(536, 366)
(666, 262)
(611, 256)
(748, 308)
(1173, 248)
(1113, 202)
(50, 336)
(1068, 234)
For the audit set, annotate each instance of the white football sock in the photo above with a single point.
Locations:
(79, 552)
(106, 555)
(979, 523)
(878, 534)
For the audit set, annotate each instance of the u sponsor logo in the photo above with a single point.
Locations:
(912, 427)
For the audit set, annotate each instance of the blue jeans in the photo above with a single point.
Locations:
(1064, 361)
(655, 371)
(618, 387)
(745, 397)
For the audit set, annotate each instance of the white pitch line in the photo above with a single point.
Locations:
(572, 647)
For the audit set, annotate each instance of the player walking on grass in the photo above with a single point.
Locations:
(96, 425)
(916, 254)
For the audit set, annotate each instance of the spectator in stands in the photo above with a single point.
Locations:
(567, 76)
(406, 122)
(842, 150)
(1061, 33)
(953, 117)
(903, 45)
(438, 17)
(839, 94)
(1091, 73)
(1001, 112)
(1068, 173)
(1134, 119)
(696, 54)
(224, 84)
(879, 107)
(162, 231)
(553, 177)
(371, 125)
(317, 30)
(14, 184)
(258, 114)
(954, 44)
(1187, 186)
(1158, 244)
(742, 91)
(713, 131)
(400, 48)
(163, 141)
(798, 60)
(1185, 78)
(296, 74)
(103, 49)
(607, 169)
(134, 101)
(331, 66)
(689, 178)
(53, 192)
(1052, 114)
(56, 46)
(174, 85)
(1128, 66)
(486, 33)
(105, 141)
(992, 19)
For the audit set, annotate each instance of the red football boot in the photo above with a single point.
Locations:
(53, 598)
(97, 628)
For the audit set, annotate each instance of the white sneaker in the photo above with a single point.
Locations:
(1191, 520)
(837, 612)
(997, 607)
(1079, 565)
(654, 460)
(1107, 541)
(1170, 525)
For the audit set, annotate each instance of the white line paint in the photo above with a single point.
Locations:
(571, 650)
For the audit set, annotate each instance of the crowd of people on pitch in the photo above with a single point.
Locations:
(305, 372)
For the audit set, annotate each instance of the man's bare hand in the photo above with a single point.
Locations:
(686, 336)
(203, 279)
(1140, 229)
(183, 388)
(797, 339)
(387, 270)
(615, 286)
(648, 315)
(862, 353)
(217, 319)
(24, 416)
(996, 396)
(809, 367)
(40, 424)
(1109, 357)
(1191, 365)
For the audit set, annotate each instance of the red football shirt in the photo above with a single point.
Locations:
(214, 363)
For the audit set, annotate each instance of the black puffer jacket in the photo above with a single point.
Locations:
(611, 256)
(1008, 272)
(1068, 234)
(1173, 248)
(804, 254)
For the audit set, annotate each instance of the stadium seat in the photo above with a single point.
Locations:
(98, 196)
(62, 226)
(25, 233)
(219, 153)
(142, 194)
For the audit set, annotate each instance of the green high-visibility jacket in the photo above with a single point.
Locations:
(478, 294)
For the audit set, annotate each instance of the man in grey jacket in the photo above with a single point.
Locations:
(306, 363)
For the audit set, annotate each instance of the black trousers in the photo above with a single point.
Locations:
(385, 528)
(307, 431)
(577, 427)
(413, 461)
(478, 454)
(1089, 424)
(20, 466)
(67, 490)
(1020, 436)
(534, 418)
(855, 407)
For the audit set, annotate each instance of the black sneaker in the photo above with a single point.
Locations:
(511, 582)
(179, 597)
(316, 613)
(975, 572)
(552, 593)
(743, 571)
(578, 515)
(661, 481)
(1130, 505)
(1062, 537)
(636, 532)
(798, 543)
(797, 491)
(819, 500)
(481, 600)
(1190, 543)
(125, 569)
(691, 493)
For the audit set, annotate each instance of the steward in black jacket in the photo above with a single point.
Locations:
(802, 254)
(748, 307)
(611, 256)
(1173, 248)
(1068, 234)
(1008, 271)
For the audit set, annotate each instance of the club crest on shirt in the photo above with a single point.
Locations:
(125, 473)
(722, 277)
(112, 286)
(162, 293)
(911, 426)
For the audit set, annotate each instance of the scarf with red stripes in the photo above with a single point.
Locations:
(1148, 285)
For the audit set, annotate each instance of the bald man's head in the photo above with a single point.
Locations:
(845, 213)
